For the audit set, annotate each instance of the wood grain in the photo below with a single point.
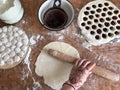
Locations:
(20, 78)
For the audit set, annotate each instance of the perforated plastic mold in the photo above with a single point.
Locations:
(99, 22)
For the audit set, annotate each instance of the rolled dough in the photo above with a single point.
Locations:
(54, 72)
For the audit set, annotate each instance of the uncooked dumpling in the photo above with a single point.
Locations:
(11, 42)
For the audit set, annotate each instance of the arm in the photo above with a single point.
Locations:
(78, 75)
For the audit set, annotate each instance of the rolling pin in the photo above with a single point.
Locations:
(96, 70)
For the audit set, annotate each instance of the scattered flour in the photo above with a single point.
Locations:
(36, 85)
(34, 39)
(26, 60)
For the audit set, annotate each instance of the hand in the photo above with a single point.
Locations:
(80, 72)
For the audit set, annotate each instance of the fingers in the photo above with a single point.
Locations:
(90, 66)
(85, 63)
(82, 64)
(79, 62)
(76, 63)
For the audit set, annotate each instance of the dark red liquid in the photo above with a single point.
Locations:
(55, 18)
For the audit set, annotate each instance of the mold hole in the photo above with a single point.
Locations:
(94, 26)
(89, 22)
(83, 24)
(119, 15)
(100, 25)
(97, 15)
(95, 20)
(88, 8)
(105, 29)
(106, 4)
(111, 8)
(92, 32)
(110, 34)
(97, 37)
(112, 28)
(113, 23)
(114, 17)
(104, 9)
(104, 36)
(92, 12)
(118, 21)
(118, 27)
(91, 17)
(87, 27)
(85, 18)
(109, 13)
(117, 33)
(86, 12)
(100, 5)
(101, 20)
(103, 14)
(108, 19)
(94, 6)
(99, 31)
(98, 10)
(107, 24)
(116, 11)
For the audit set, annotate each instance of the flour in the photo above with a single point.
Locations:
(60, 37)
(26, 60)
(36, 85)
(35, 38)
(87, 45)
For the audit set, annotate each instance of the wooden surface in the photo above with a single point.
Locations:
(107, 56)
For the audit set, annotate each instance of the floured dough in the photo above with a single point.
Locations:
(55, 72)
(99, 21)
(13, 46)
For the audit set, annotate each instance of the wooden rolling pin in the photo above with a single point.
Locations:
(96, 70)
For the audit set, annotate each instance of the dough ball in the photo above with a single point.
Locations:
(2, 35)
(20, 32)
(10, 61)
(2, 62)
(16, 58)
(24, 48)
(21, 54)
(4, 40)
(2, 48)
(12, 54)
(19, 44)
(17, 49)
(4, 29)
(6, 57)
(7, 50)
(8, 44)
(10, 28)
(25, 42)
(14, 41)
(10, 38)
(0, 30)
(12, 47)
(10, 34)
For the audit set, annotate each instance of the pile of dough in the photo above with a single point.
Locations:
(13, 46)
(54, 72)
(99, 22)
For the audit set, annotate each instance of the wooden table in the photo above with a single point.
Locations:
(20, 78)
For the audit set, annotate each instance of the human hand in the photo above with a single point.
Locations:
(80, 72)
